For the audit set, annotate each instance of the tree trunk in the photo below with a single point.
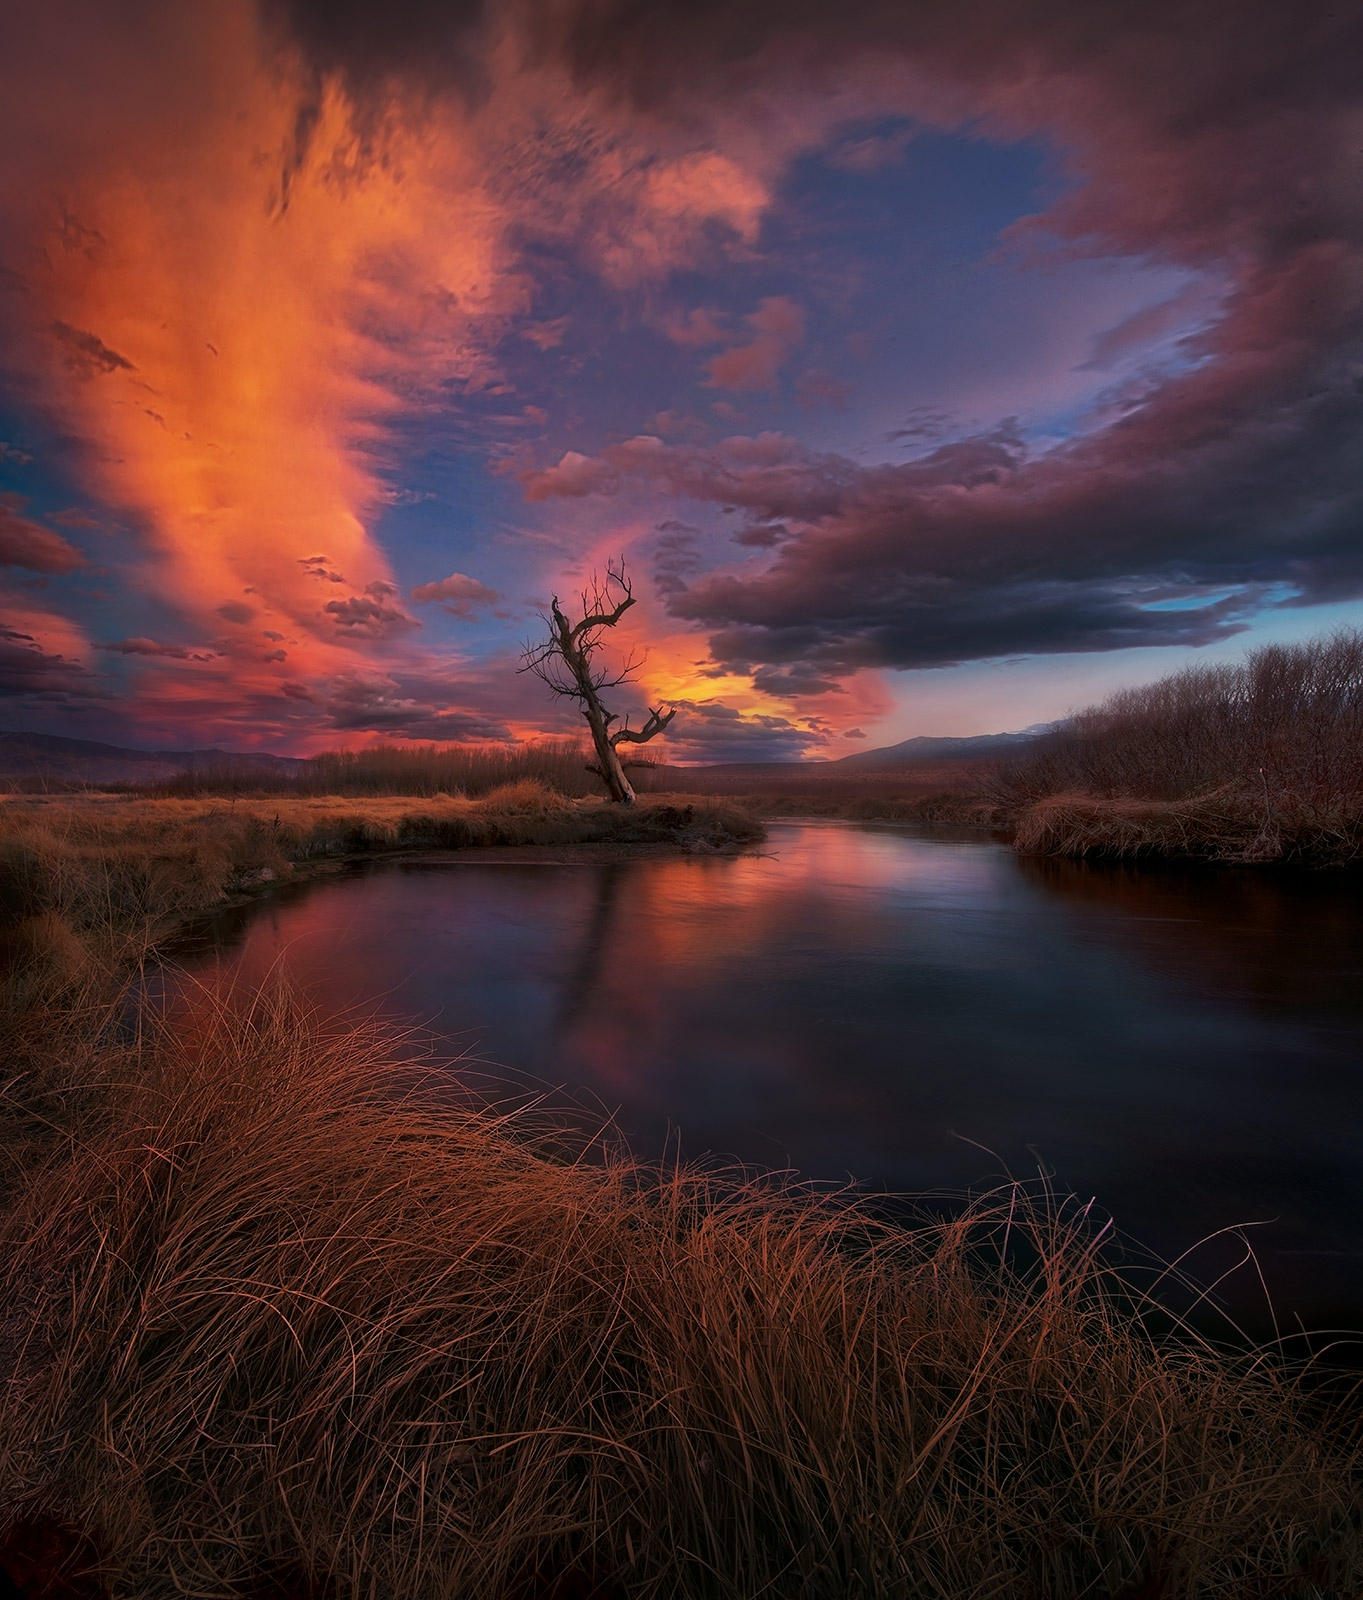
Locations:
(612, 772)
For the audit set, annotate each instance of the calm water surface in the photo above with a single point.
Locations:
(863, 1002)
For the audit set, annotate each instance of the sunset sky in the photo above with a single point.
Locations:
(936, 365)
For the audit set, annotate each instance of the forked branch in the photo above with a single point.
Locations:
(564, 663)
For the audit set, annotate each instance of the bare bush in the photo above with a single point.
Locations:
(1258, 761)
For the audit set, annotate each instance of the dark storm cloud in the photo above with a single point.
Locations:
(25, 543)
(711, 731)
(1219, 137)
(26, 669)
(368, 43)
(1191, 61)
(409, 706)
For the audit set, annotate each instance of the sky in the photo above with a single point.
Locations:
(935, 368)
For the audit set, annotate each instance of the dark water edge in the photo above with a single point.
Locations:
(909, 1010)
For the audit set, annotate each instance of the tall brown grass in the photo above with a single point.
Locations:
(280, 1309)
(930, 792)
(282, 1312)
(1259, 761)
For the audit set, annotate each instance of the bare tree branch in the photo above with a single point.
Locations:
(657, 721)
(564, 664)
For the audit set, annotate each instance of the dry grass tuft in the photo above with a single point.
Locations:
(526, 794)
(290, 1308)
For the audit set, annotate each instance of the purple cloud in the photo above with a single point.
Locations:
(153, 647)
(25, 543)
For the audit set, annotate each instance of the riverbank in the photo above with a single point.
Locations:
(102, 878)
(1253, 762)
(1230, 826)
(282, 1318)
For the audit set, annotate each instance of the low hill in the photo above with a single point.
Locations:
(925, 760)
(39, 757)
(914, 752)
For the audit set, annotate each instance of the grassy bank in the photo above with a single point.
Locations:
(885, 802)
(421, 771)
(957, 792)
(102, 877)
(281, 1319)
(1260, 761)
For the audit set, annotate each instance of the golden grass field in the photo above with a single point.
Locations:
(281, 1315)
(276, 1309)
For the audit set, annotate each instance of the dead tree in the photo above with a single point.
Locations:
(566, 663)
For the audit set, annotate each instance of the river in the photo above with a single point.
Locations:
(908, 1010)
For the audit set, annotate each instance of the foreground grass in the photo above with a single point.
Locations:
(283, 1314)
(279, 1310)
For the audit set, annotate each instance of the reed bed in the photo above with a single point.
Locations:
(889, 802)
(286, 1316)
(1255, 762)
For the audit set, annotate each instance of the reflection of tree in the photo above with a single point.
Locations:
(585, 977)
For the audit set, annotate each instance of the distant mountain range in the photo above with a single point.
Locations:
(911, 751)
(44, 755)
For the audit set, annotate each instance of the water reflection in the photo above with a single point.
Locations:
(1281, 941)
(859, 1002)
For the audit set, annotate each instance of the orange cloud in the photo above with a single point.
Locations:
(219, 347)
(779, 326)
(229, 295)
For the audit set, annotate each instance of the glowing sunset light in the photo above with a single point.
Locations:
(934, 373)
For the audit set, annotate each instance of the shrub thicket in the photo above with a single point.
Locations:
(1257, 761)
